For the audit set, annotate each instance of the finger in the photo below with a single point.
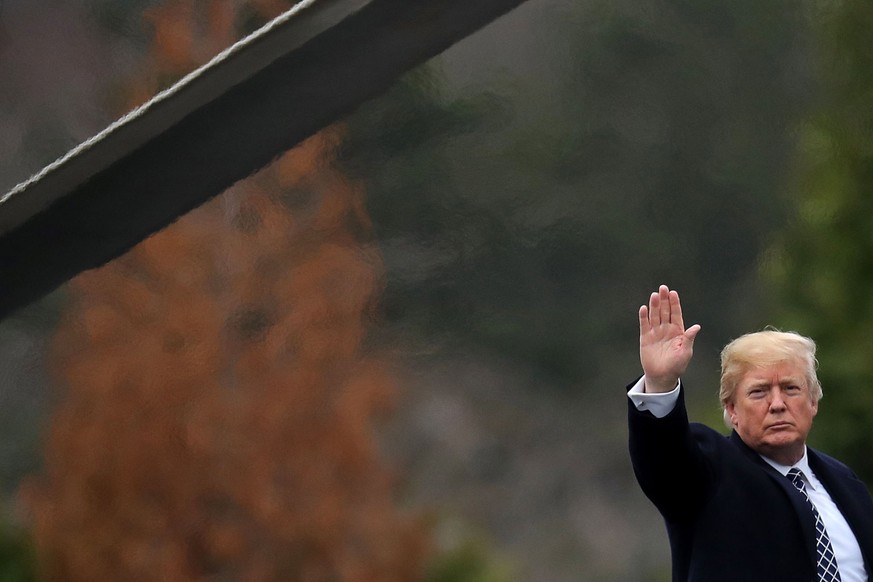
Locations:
(664, 300)
(654, 309)
(676, 310)
(645, 326)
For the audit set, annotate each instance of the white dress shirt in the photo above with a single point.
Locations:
(846, 548)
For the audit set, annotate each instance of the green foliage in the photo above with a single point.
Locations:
(822, 267)
(16, 556)
(472, 561)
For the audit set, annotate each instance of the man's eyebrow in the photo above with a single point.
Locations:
(782, 381)
(790, 380)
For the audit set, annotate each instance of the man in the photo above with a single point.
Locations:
(758, 505)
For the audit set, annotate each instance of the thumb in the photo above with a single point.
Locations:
(692, 331)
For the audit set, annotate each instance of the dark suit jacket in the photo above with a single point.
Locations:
(730, 516)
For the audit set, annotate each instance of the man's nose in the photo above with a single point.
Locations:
(776, 402)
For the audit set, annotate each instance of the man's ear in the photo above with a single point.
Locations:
(731, 412)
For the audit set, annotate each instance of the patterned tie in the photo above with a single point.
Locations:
(826, 566)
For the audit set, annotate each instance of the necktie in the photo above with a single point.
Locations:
(826, 565)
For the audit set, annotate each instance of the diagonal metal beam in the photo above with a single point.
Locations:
(304, 70)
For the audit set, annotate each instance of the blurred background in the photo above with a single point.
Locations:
(399, 351)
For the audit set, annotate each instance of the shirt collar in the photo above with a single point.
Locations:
(802, 464)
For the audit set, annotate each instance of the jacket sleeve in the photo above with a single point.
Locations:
(668, 462)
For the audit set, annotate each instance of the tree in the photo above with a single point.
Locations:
(218, 392)
(821, 269)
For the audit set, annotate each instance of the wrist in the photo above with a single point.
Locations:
(659, 385)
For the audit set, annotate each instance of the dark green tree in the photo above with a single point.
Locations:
(17, 562)
(822, 267)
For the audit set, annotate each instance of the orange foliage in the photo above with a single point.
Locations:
(216, 419)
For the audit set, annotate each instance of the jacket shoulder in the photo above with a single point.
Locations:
(831, 463)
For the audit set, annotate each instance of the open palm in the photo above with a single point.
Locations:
(666, 346)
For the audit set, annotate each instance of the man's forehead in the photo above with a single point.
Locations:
(783, 371)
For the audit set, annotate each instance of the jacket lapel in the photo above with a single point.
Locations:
(797, 500)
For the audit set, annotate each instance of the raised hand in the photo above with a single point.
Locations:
(665, 345)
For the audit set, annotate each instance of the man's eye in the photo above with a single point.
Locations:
(756, 392)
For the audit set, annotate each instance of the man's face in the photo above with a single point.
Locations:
(772, 411)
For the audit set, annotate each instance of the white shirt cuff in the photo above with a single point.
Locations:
(659, 404)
